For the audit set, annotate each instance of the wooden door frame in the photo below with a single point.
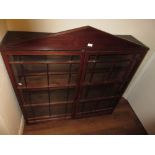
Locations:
(133, 67)
(6, 54)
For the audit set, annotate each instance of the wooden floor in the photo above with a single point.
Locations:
(123, 121)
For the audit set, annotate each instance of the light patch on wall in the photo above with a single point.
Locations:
(10, 114)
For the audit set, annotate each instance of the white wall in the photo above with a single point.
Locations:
(10, 113)
(141, 29)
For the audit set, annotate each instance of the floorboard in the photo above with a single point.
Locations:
(123, 121)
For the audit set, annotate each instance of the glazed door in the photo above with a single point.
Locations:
(103, 82)
(47, 84)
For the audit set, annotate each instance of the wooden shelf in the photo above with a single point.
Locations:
(64, 85)
(50, 86)
(45, 73)
(58, 73)
(48, 104)
(101, 110)
(100, 98)
(102, 83)
(47, 117)
(44, 62)
(56, 86)
(108, 62)
(70, 102)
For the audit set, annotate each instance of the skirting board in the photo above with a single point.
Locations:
(21, 127)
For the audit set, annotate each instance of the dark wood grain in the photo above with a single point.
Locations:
(97, 75)
(122, 121)
(75, 39)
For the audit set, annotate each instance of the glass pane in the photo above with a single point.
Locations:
(63, 79)
(59, 79)
(63, 68)
(41, 75)
(42, 111)
(35, 97)
(74, 79)
(96, 105)
(34, 68)
(107, 67)
(30, 75)
(62, 109)
(96, 77)
(36, 81)
(111, 57)
(17, 70)
(29, 112)
(118, 71)
(99, 91)
(60, 95)
(106, 104)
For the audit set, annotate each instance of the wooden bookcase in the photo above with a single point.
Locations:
(72, 74)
